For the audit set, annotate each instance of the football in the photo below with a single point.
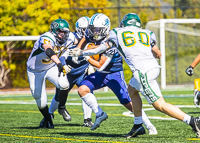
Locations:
(95, 57)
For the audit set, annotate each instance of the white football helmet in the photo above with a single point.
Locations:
(99, 27)
(81, 25)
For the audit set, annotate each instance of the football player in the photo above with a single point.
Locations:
(41, 64)
(189, 71)
(109, 71)
(78, 69)
(138, 48)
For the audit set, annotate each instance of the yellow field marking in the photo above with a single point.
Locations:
(193, 139)
(66, 139)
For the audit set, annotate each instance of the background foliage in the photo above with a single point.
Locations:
(33, 17)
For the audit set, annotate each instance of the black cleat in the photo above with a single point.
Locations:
(43, 123)
(65, 114)
(196, 127)
(88, 122)
(135, 131)
(50, 125)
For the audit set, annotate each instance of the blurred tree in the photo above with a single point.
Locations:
(33, 17)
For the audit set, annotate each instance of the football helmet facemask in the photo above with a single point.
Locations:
(81, 25)
(60, 29)
(99, 26)
(131, 19)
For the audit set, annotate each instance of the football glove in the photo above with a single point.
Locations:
(75, 60)
(75, 52)
(90, 70)
(60, 69)
(86, 57)
(189, 71)
(66, 69)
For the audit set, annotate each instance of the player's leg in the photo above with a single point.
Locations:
(92, 82)
(155, 98)
(38, 90)
(117, 84)
(87, 111)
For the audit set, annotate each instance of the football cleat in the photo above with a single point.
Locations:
(99, 119)
(88, 122)
(65, 114)
(196, 98)
(135, 131)
(152, 130)
(43, 123)
(196, 127)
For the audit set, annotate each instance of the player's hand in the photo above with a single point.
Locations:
(86, 57)
(75, 60)
(189, 71)
(66, 69)
(75, 52)
(60, 69)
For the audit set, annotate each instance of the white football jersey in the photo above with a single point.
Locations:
(134, 44)
(38, 60)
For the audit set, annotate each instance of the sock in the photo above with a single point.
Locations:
(87, 111)
(187, 119)
(146, 120)
(63, 94)
(46, 114)
(91, 101)
(137, 120)
(54, 106)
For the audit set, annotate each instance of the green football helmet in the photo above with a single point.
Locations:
(60, 29)
(131, 19)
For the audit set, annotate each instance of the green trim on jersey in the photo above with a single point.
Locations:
(49, 38)
(151, 33)
(37, 52)
(115, 31)
(146, 88)
(119, 47)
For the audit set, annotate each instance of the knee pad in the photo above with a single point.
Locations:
(63, 82)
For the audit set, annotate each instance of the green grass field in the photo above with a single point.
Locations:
(19, 120)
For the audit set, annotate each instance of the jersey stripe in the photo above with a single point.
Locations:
(93, 17)
(37, 52)
(49, 38)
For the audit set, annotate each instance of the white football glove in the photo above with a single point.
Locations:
(75, 60)
(86, 57)
(90, 70)
(66, 69)
(75, 52)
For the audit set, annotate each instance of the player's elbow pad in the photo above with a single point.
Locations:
(49, 52)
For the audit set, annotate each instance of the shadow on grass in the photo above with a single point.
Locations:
(193, 113)
(55, 125)
(91, 134)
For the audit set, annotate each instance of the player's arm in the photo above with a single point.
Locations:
(102, 63)
(50, 53)
(156, 52)
(189, 70)
(82, 43)
(196, 61)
